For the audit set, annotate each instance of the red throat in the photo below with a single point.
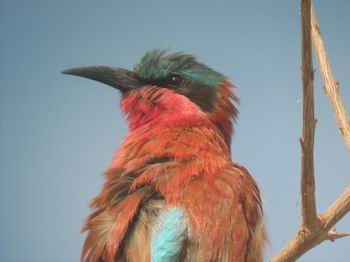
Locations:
(159, 107)
(162, 107)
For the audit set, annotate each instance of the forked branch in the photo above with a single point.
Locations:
(315, 229)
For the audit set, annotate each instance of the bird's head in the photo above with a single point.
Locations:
(172, 87)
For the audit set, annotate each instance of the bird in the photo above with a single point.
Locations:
(172, 191)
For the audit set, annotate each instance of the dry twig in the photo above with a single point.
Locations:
(315, 229)
(331, 86)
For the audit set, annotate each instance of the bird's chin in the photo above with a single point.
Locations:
(160, 106)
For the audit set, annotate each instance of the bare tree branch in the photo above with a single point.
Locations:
(331, 85)
(305, 240)
(315, 229)
(337, 210)
(308, 207)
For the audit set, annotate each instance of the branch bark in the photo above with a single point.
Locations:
(315, 229)
(306, 240)
(308, 208)
(331, 86)
(337, 210)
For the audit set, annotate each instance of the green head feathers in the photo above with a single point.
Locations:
(157, 65)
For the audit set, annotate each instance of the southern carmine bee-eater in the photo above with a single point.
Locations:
(172, 192)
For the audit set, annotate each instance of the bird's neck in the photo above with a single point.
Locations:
(164, 125)
(167, 143)
(172, 140)
(169, 157)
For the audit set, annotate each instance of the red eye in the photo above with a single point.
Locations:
(175, 80)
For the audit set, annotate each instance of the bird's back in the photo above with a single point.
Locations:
(195, 207)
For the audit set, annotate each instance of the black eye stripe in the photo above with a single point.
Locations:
(201, 94)
(173, 80)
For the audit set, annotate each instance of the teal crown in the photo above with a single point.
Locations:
(156, 65)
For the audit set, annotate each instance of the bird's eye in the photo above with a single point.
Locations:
(175, 80)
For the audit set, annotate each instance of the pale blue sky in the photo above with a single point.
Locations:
(58, 133)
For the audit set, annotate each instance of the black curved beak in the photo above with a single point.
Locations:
(119, 78)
